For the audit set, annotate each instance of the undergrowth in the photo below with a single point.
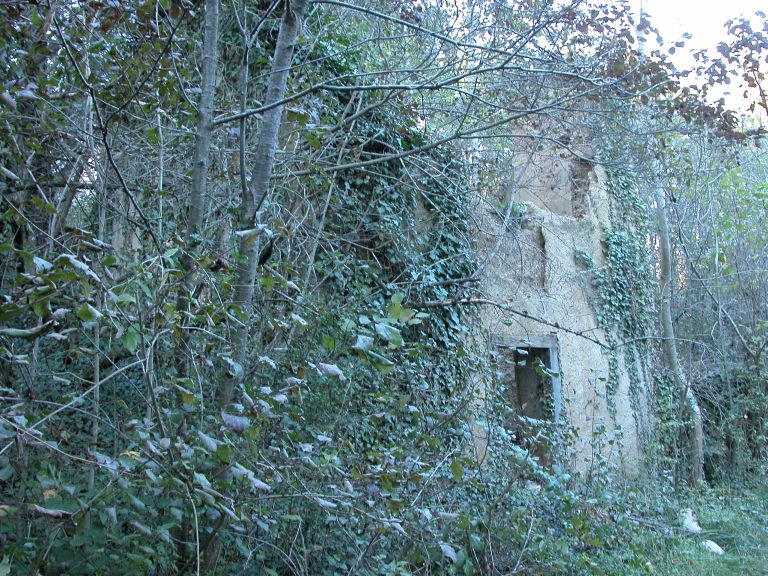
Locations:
(654, 542)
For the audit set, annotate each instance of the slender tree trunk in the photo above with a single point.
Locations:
(688, 399)
(202, 151)
(264, 162)
(252, 199)
(67, 195)
(204, 128)
(195, 211)
(199, 177)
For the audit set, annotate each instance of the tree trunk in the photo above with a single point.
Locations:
(687, 398)
(199, 170)
(253, 198)
(195, 210)
(203, 131)
(199, 178)
(266, 145)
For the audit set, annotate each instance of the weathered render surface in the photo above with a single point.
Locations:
(533, 265)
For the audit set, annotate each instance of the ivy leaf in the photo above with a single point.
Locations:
(328, 342)
(389, 333)
(229, 512)
(111, 514)
(240, 471)
(123, 298)
(299, 320)
(29, 333)
(188, 399)
(41, 265)
(380, 362)
(476, 542)
(26, 94)
(8, 101)
(137, 503)
(202, 480)
(251, 234)
(363, 343)
(396, 310)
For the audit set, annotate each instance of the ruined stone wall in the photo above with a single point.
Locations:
(532, 265)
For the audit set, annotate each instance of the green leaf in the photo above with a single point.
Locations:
(328, 342)
(88, 313)
(363, 343)
(42, 307)
(461, 557)
(143, 528)
(235, 369)
(75, 264)
(268, 281)
(476, 542)
(145, 289)
(124, 298)
(137, 503)
(223, 454)
(457, 469)
(111, 514)
(448, 551)
(6, 473)
(96, 46)
(389, 333)
(202, 480)
(208, 442)
(131, 339)
(327, 504)
(188, 399)
(380, 362)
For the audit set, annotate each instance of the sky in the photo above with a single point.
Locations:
(703, 19)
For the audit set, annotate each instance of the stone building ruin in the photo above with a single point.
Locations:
(551, 365)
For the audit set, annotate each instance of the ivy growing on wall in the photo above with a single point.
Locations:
(625, 286)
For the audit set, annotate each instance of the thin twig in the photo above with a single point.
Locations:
(505, 308)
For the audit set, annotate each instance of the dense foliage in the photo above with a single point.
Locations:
(237, 326)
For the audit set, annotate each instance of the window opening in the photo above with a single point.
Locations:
(530, 378)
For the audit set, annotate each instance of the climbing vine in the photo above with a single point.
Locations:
(625, 289)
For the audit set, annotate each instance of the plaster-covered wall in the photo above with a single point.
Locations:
(532, 266)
